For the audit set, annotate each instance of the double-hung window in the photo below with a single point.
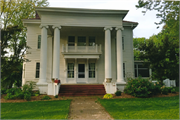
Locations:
(71, 40)
(81, 41)
(92, 41)
(39, 42)
(91, 70)
(70, 70)
(37, 69)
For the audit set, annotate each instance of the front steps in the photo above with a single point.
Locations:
(81, 90)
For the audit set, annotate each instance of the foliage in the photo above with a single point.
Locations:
(28, 87)
(139, 87)
(45, 97)
(118, 93)
(13, 40)
(108, 96)
(3, 91)
(56, 96)
(27, 95)
(36, 110)
(164, 90)
(173, 90)
(162, 50)
(142, 108)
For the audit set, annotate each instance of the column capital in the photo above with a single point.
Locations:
(119, 28)
(108, 28)
(46, 26)
(56, 26)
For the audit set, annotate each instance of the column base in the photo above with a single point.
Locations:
(108, 80)
(121, 86)
(43, 87)
(110, 87)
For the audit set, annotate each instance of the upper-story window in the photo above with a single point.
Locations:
(123, 43)
(92, 41)
(39, 42)
(71, 40)
(81, 41)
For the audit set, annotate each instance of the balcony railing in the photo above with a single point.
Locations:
(81, 49)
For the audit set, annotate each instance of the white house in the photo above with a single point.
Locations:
(89, 46)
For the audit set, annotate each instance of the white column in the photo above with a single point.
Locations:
(120, 78)
(43, 56)
(56, 52)
(108, 75)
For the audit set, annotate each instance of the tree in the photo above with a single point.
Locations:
(13, 43)
(162, 50)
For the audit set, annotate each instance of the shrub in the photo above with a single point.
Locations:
(169, 89)
(155, 88)
(9, 96)
(56, 96)
(28, 87)
(139, 87)
(27, 96)
(164, 90)
(108, 96)
(45, 97)
(3, 91)
(173, 90)
(118, 93)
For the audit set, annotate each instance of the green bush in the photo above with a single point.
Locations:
(164, 90)
(108, 96)
(56, 96)
(27, 96)
(13, 93)
(139, 87)
(173, 90)
(155, 88)
(28, 87)
(118, 93)
(9, 96)
(45, 97)
(169, 89)
(3, 91)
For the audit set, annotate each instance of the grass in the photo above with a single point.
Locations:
(36, 110)
(142, 108)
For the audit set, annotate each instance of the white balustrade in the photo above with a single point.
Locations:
(85, 49)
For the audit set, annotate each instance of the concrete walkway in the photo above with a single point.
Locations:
(87, 108)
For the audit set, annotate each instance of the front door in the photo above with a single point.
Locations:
(81, 70)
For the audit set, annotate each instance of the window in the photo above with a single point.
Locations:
(92, 41)
(39, 41)
(141, 70)
(124, 69)
(37, 70)
(91, 70)
(81, 41)
(71, 41)
(123, 43)
(70, 70)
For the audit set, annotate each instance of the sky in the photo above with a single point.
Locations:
(146, 26)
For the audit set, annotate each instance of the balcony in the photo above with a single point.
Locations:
(81, 51)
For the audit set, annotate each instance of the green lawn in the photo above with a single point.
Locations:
(142, 108)
(36, 110)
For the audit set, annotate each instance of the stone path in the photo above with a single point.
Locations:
(87, 108)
